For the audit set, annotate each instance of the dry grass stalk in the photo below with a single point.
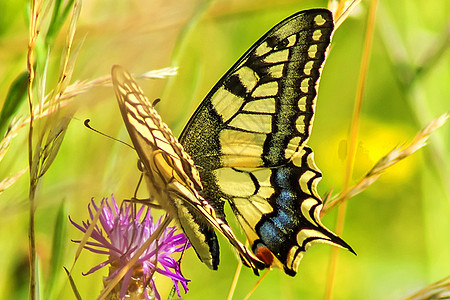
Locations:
(342, 10)
(390, 159)
(8, 181)
(33, 34)
(62, 100)
(437, 290)
(353, 135)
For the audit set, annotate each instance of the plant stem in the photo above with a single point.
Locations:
(352, 144)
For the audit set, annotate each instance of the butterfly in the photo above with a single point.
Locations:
(245, 145)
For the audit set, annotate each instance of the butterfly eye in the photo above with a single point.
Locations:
(156, 101)
(140, 166)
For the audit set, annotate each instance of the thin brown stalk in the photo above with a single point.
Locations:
(387, 161)
(160, 73)
(88, 234)
(256, 285)
(33, 34)
(437, 290)
(43, 146)
(73, 285)
(81, 245)
(8, 181)
(341, 15)
(236, 277)
(353, 141)
(340, 7)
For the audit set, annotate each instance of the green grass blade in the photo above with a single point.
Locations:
(16, 96)
(73, 285)
(59, 239)
(59, 16)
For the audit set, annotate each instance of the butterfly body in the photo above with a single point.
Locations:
(245, 145)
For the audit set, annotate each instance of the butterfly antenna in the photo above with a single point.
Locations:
(156, 101)
(86, 123)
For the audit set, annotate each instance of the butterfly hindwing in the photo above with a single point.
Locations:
(248, 140)
(281, 215)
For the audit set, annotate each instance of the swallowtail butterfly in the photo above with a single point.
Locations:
(245, 145)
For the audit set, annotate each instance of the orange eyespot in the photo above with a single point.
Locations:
(264, 254)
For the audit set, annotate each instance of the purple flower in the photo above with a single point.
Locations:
(120, 235)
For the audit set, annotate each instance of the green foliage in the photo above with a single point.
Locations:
(398, 227)
(61, 10)
(58, 250)
(14, 99)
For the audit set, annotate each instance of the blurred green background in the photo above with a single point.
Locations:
(399, 227)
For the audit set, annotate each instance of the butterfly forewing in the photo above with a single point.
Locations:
(171, 176)
(261, 111)
(248, 139)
